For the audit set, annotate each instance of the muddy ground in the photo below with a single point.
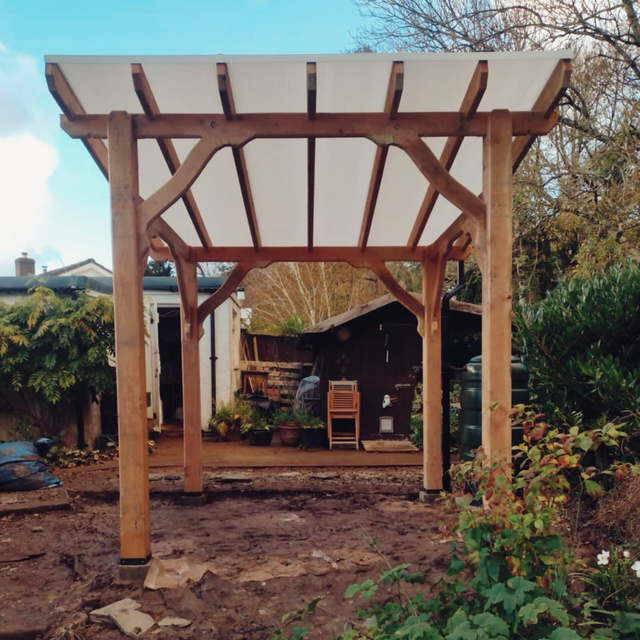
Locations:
(272, 541)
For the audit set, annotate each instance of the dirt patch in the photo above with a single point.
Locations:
(271, 542)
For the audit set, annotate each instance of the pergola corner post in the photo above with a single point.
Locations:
(128, 249)
(432, 284)
(496, 289)
(190, 332)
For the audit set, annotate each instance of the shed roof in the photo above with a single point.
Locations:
(308, 186)
(378, 303)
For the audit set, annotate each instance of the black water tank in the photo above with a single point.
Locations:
(471, 403)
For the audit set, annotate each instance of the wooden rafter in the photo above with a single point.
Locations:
(468, 108)
(71, 107)
(151, 109)
(394, 95)
(547, 101)
(249, 126)
(312, 90)
(229, 108)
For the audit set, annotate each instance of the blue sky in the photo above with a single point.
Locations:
(54, 202)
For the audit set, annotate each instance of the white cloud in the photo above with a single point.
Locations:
(26, 164)
(27, 158)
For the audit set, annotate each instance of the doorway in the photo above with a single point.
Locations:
(170, 347)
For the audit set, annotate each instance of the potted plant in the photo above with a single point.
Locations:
(288, 428)
(227, 421)
(314, 431)
(222, 422)
(258, 430)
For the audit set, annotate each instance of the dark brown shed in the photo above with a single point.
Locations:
(378, 345)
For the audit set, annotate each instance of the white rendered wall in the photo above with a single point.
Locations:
(227, 323)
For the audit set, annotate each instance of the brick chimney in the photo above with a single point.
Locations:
(25, 266)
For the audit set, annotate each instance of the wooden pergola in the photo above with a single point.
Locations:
(362, 158)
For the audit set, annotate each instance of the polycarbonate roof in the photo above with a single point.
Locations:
(277, 169)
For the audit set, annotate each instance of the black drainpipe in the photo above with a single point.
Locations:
(213, 358)
(446, 378)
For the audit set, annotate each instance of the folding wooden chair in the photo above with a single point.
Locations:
(343, 404)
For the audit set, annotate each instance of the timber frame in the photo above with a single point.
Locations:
(140, 228)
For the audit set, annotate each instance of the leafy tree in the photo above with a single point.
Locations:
(307, 291)
(154, 268)
(54, 351)
(577, 194)
(582, 347)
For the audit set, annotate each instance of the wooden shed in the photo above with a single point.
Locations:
(378, 345)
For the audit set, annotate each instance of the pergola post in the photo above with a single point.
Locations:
(496, 288)
(432, 375)
(128, 259)
(188, 283)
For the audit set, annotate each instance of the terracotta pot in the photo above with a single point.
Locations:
(290, 433)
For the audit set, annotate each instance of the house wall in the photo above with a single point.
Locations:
(227, 349)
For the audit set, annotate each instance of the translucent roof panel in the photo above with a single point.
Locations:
(277, 167)
(343, 168)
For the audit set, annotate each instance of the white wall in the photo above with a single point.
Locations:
(227, 322)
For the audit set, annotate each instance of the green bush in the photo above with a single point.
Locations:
(510, 566)
(55, 350)
(582, 347)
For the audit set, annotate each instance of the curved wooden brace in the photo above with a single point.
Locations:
(217, 298)
(440, 178)
(177, 246)
(188, 172)
(404, 297)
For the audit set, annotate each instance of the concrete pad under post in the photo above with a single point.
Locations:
(132, 573)
(193, 499)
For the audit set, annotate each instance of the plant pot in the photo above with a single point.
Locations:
(290, 433)
(313, 438)
(260, 437)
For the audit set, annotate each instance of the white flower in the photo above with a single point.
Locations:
(626, 554)
(603, 558)
(636, 567)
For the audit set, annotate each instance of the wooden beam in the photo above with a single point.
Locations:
(404, 297)
(394, 95)
(167, 148)
(312, 90)
(469, 106)
(352, 255)
(547, 101)
(192, 419)
(432, 283)
(218, 297)
(441, 179)
(228, 106)
(311, 190)
(378, 127)
(68, 102)
(496, 290)
(172, 190)
(135, 524)
(178, 247)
